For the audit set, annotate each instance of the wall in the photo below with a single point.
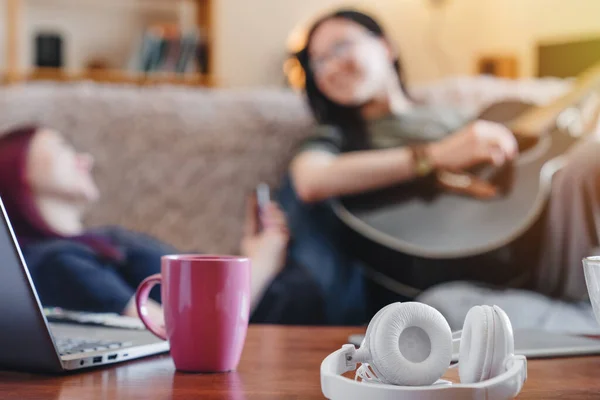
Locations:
(250, 36)
(250, 41)
(464, 28)
(432, 41)
(533, 21)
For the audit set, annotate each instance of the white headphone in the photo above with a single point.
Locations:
(408, 348)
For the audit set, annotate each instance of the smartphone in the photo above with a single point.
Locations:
(263, 198)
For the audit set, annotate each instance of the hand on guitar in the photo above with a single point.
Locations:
(479, 142)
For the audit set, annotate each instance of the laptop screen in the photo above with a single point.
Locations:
(25, 341)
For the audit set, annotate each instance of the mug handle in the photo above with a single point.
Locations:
(141, 299)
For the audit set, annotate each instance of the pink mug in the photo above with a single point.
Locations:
(206, 304)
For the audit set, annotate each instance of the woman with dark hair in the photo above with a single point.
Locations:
(371, 135)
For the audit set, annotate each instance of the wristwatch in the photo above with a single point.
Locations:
(424, 165)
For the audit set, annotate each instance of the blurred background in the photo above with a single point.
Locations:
(239, 43)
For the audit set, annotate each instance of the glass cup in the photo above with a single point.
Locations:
(591, 269)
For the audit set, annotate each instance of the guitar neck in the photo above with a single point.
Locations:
(539, 119)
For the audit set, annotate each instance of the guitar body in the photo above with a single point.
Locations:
(422, 220)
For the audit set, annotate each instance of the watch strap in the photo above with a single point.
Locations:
(423, 163)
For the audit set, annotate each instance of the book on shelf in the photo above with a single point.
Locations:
(167, 48)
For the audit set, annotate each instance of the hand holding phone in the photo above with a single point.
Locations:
(263, 198)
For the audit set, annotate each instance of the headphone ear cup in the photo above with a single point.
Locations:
(411, 345)
(476, 349)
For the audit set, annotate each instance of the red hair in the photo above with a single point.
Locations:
(18, 199)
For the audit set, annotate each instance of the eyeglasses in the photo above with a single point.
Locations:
(341, 50)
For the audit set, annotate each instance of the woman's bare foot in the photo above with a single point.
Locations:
(267, 249)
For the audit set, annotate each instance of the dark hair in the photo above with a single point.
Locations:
(346, 118)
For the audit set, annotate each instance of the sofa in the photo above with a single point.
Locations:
(178, 162)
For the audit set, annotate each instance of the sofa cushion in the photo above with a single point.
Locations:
(176, 163)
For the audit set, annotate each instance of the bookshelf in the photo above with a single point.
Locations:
(15, 74)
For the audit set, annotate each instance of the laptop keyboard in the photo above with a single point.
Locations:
(73, 346)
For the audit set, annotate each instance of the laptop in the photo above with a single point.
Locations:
(29, 342)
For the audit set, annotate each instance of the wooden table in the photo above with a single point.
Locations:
(278, 363)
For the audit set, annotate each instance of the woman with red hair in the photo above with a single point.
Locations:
(46, 186)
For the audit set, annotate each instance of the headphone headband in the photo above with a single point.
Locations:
(507, 385)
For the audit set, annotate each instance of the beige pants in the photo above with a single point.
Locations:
(571, 227)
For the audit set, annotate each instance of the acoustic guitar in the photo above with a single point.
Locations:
(458, 214)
